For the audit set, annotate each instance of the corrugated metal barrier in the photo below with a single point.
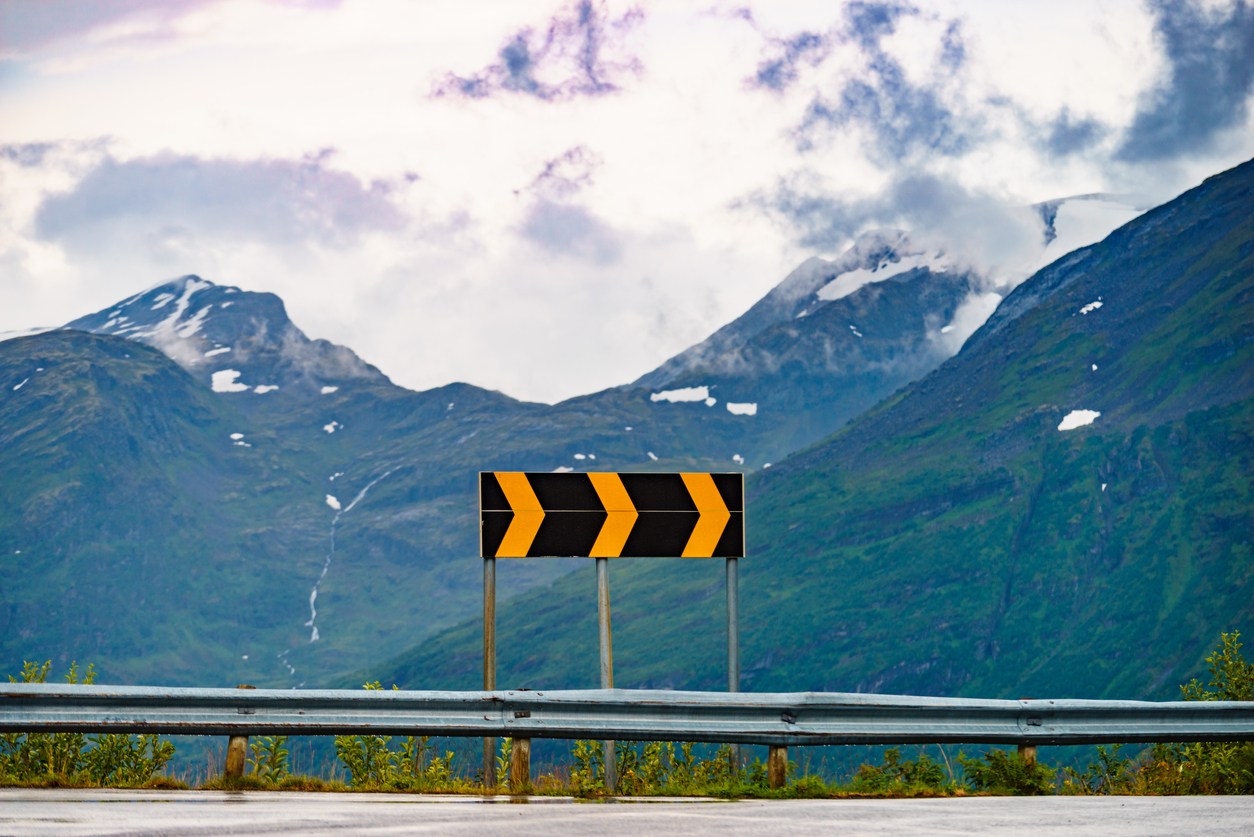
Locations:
(787, 719)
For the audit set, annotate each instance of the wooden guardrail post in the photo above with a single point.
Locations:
(1027, 752)
(520, 765)
(777, 766)
(236, 752)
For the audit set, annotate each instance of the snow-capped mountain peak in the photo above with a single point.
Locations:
(236, 341)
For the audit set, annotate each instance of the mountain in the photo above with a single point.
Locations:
(829, 341)
(1063, 509)
(305, 516)
(231, 501)
(220, 330)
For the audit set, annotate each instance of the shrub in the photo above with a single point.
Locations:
(65, 756)
(1002, 772)
(878, 778)
(371, 762)
(1207, 767)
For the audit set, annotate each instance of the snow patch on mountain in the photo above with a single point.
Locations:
(1078, 418)
(848, 282)
(193, 325)
(676, 396)
(224, 381)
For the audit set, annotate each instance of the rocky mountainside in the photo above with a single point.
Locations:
(1064, 508)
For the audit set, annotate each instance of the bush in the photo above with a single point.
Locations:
(64, 757)
(269, 758)
(1109, 774)
(897, 774)
(1002, 772)
(371, 762)
(1208, 767)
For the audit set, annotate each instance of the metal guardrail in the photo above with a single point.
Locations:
(781, 720)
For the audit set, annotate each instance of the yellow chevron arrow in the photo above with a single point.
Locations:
(620, 518)
(713, 519)
(528, 515)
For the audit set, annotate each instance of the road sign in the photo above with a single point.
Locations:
(608, 515)
(603, 516)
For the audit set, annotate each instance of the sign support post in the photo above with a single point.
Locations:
(607, 662)
(489, 662)
(733, 635)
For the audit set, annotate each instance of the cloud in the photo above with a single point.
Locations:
(28, 154)
(1210, 57)
(33, 23)
(900, 116)
(981, 230)
(560, 226)
(571, 230)
(569, 59)
(1066, 135)
(30, 24)
(566, 174)
(779, 69)
(276, 201)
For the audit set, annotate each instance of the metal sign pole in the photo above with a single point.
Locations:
(733, 636)
(733, 626)
(607, 661)
(489, 662)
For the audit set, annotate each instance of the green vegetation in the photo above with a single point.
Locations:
(1002, 772)
(56, 759)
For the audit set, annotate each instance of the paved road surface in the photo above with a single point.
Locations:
(111, 812)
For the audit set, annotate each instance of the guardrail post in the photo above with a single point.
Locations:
(1027, 752)
(777, 766)
(520, 765)
(236, 757)
(489, 663)
(236, 752)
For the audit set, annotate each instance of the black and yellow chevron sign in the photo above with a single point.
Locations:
(601, 515)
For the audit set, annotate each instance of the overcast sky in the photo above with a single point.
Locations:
(550, 199)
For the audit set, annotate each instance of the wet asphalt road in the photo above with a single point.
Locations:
(111, 812)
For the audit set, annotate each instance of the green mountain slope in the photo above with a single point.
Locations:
(955, 540)
(127, 530)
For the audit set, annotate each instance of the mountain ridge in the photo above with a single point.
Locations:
(958, 538)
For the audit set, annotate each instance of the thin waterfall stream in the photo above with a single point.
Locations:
(313, 594)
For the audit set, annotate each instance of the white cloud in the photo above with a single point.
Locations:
(548, 246)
